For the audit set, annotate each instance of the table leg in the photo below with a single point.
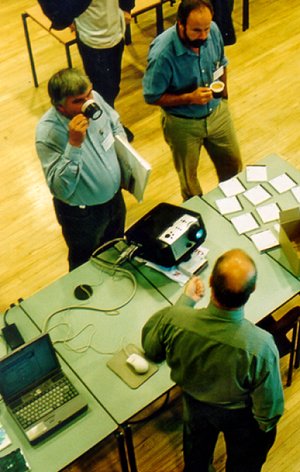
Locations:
(122, 451)
(130, 448)
(68, 54)
(27, 37)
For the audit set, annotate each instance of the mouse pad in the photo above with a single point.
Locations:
(118, 365)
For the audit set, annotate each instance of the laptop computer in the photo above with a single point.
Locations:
(35, 390)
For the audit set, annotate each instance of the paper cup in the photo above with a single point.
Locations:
(217, 88)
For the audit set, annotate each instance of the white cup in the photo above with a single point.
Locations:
(217, 88)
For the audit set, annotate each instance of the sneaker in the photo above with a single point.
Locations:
(129, 134)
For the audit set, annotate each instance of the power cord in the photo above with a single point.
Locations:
(110, 267)
(126, 255)
(70, 337)
(108, 312)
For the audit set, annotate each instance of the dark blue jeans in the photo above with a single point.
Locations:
(103, 67)
(246, 445)
(85, 229)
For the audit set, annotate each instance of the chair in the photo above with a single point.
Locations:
(65, 37)
(290, 321)
(142, 6)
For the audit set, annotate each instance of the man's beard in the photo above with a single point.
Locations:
(193, 43)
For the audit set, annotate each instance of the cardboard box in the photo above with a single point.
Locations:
(289, 237)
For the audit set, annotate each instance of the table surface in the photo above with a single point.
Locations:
(274, 284)
(75, 438)
(111, 333)
(286, 200)
(98, 323)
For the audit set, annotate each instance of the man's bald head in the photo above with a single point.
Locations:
(233, 279)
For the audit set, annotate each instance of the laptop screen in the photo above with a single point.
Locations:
(27, 366)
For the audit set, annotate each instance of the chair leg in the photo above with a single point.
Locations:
(245, 15)
(297, 355)
(29, 48)
(292, 355)
(159, 19)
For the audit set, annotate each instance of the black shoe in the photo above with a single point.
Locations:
(129, 134)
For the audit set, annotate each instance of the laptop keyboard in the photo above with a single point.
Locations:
(48, 400)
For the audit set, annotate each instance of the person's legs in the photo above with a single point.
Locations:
(103, 67)
(85, 229)
(199, 435)
(221, 143)
(222, 16)
(115, 214)
(247, 446)
(185, 138)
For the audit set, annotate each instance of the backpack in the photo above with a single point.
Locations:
(62, 12)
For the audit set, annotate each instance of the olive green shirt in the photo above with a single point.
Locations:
(218, 357)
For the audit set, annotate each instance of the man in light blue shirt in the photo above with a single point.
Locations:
(81, 166)
(182, 63)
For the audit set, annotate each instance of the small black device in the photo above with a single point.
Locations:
(91, 109)
(167, 235)
(14, 461)
(12, 336)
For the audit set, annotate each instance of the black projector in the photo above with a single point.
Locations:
(167, 235)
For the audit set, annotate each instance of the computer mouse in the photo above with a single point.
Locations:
(83, 292)
(138, 363)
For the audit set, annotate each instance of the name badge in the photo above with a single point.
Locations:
(218, 73)
(108, 142)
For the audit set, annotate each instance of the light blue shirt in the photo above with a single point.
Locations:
(218, 357)
(173, 68)
(85, 175)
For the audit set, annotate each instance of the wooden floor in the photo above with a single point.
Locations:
(264, 64)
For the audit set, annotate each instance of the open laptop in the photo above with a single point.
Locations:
(35, 390)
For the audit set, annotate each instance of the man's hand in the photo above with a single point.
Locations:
(77, 130)
(127, 17)
(72, 27)
(194, 289)
(201, 96)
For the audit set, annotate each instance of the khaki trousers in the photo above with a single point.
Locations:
(186, 137)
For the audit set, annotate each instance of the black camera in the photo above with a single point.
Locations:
(91, 109)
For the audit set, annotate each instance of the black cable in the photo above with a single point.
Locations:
(5, 316)
(107, 245)
(6, 313)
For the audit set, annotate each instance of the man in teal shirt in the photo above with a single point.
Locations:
(228, 368)
(182, 63)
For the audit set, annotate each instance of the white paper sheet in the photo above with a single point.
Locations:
(282, 183)
(264, 240)
(256, 173)
(244, 223)
(228, 205)
(296, 193)
(184, 270)
(231, 187)
(269, 212)
(4, 438)
(257, 195)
